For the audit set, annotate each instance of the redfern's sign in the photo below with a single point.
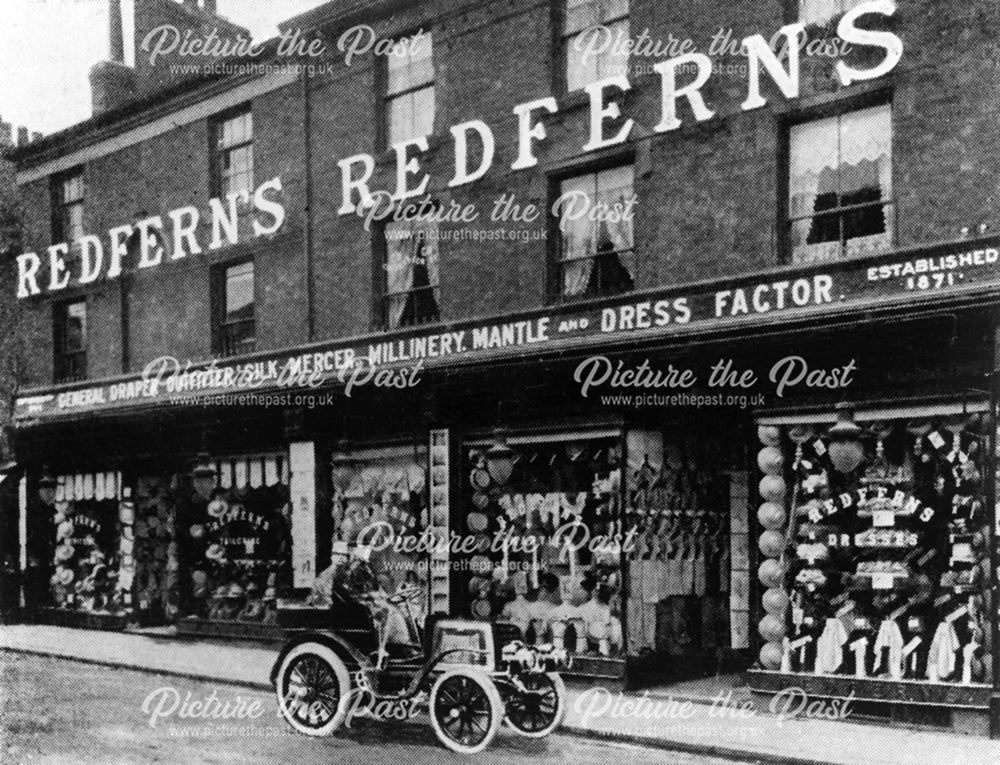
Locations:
(107, 257)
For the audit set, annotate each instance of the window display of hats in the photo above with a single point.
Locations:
(85, 576)
(237, 544)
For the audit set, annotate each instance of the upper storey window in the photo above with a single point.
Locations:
(409, 98)
(596, 257)
(232, 153)
(822, 11)
(840, 186)
(67, 206)
(593, 37)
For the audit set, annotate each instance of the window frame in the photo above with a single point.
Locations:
(833, 109)
(380, 278)
(60, 356)
(218, 153)
(554, 293)
(386, 98)
(220, 292)
(57, 186)
(794, 13)
(560, 14)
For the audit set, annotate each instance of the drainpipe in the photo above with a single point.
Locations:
(991, 514)
(308, 232)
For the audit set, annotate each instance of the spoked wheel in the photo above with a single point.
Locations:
(465, 710)
(538, 711)
(312, 687)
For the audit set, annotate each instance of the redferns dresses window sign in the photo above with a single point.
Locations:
(140, 244)
(966, 270)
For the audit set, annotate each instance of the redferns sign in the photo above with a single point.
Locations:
(145, 238)
(143, 245)
(608, 128)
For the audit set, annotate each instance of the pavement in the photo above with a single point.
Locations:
(657, 720)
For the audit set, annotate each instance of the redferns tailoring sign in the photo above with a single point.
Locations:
(962, 270)
(153, 241)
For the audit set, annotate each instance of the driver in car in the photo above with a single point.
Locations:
(351, 577)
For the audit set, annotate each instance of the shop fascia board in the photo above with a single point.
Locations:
(558, 349)
(903, 305)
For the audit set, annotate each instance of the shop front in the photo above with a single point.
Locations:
(171, 536)
(659, 542)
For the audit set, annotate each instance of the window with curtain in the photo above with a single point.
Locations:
(70, 329)
(822, 11)
(237, 323)
(411, 287)
(409, 100)
(67, 206)
(840, 186)
(590, 23)
(232, 161)
(596, 257)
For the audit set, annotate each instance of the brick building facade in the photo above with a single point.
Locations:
(791, 208)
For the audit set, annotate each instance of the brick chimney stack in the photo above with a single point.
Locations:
(116, 36)
(112, 83)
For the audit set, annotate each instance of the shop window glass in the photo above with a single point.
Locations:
(412, 286)
(87, 550)
(840, 186)
(588, 27)
(380, 512)
(550, 564)
(70, 331)
(235, 551)
(888, 571)
(410, 94)
(596, 257)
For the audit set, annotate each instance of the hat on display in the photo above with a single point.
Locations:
(216, 552)
(64, 552)
(217, 507)
(64, 576)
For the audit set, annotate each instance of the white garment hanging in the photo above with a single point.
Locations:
(941, 656)
(830, 647)
(889, 636)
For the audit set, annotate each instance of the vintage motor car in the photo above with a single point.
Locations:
(339, 663)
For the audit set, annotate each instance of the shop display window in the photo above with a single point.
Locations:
(881, 569)
(545, 519)
(235, 522)
(88, 545)
(380, 518)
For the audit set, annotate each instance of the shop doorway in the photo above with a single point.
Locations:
(688, 571)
